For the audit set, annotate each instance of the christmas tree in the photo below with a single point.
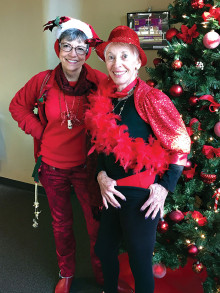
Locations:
(188, 71)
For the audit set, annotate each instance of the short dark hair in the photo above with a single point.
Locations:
(73, 34)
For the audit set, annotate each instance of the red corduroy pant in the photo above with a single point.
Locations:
(57, 184)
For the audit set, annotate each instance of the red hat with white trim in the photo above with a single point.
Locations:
(64, 23)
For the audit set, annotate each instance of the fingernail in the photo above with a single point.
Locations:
(146, 217)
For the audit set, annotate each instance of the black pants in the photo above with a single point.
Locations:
(139, 234)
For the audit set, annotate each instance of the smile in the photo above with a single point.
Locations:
(72, 61)
(119, 73)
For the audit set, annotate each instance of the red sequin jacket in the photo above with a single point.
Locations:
(156, 108)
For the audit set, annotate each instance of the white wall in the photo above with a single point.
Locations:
(27, 50)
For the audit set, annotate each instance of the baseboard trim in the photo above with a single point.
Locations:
(21, 185)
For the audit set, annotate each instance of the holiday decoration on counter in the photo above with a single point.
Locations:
(190, 76)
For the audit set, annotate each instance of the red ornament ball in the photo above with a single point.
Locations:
(176, 90)
(197, 267)
(162, 226)
(151, 82)
(193, 101)
(217, 129)
(157, 61)
(211, 40)
(196, 4)
(171, 33)
(192, 249)
(176, 216)
(159, 270)
(177, 64)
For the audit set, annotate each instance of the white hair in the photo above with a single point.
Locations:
(131, 46)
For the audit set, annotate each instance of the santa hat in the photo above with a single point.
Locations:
(64, 23)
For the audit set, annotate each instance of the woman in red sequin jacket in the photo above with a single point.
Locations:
(143, 145)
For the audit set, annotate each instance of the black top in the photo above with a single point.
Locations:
(137, 127)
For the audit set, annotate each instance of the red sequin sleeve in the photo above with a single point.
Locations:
(157, 109)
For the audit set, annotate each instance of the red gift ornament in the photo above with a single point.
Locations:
(192, 249)
(197, 267)
(162, 226)
(176, 90)
(159, 270)
(171, 33)
(177, 64)
(211, 40)
(176, 216)
(196, 4)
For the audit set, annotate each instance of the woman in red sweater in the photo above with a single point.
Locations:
(60, 96)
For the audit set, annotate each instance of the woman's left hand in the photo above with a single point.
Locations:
(156, 200)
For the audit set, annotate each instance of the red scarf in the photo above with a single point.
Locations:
(82, 87)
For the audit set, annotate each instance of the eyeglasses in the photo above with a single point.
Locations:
(68, 48)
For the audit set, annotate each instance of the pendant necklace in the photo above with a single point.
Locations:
(69, 116)
(130, 93)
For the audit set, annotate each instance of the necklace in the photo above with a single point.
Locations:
(69, 116)
(130, 93)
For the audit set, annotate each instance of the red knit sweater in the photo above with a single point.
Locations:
(58, 145)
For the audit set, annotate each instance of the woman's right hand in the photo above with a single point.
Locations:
(108, 191)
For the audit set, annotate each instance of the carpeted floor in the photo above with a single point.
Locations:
(27, 256)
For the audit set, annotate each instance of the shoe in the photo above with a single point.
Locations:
(123, 287)
(63, 286)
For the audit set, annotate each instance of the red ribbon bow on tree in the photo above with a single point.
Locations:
(56, 22)
(214, 12)
(189, 174)
(188, 33)
(214, 105)
(210, 152)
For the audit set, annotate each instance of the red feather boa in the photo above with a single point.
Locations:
(109, 137)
